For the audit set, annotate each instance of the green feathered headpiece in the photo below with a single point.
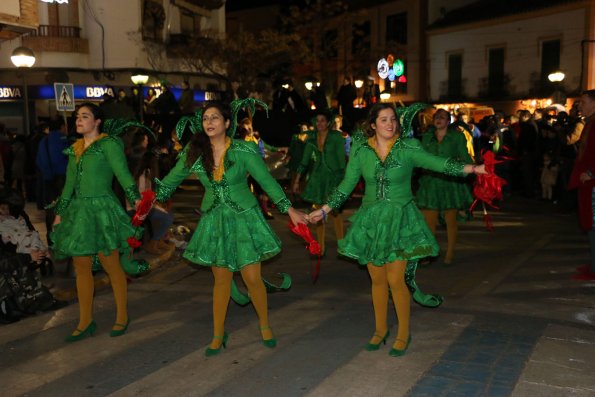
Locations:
(250, 105)
(194, 122)
(116, 127)
(406, 114)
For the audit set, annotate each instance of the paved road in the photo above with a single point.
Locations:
(513, 323)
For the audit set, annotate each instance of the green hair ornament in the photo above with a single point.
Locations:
(116, 127)
(406, 114)
(195, 122)
(250, 105)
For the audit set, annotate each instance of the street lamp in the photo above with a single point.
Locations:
(385, 95)
(139, 79)
(23, 57)
(556, 79)
(556, 76)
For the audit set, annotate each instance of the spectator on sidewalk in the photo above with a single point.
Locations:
(51, 163)
(583, 177)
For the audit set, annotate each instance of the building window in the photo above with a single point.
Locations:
(329, 44)
(360, 39)
(187, 23)
(455, 75)
(550, 58)
(153, 20)
(496, 71)
(396, 28)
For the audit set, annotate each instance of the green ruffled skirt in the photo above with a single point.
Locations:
(225, 238)
(90, 226)
(443, 193)
(320, 185)
(384, 232)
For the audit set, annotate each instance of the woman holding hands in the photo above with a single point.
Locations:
(232, 234)
(388, 230)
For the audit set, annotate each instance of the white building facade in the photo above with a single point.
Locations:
(510, 56)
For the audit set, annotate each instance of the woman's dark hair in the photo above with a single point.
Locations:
(95, 111)
(442, 111)
(200, 144)
(373, 115)
(589, 93)
(141, 158)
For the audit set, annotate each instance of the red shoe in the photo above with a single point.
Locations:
(587, 276)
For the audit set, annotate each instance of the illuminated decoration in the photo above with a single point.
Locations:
(22, 57)
(359, 83)
(55, 1)
(391, 68)
(383, 68)
(556, 76)
(391, 75)
(309, 85)
(385, 95)
(399, 68)
(402, 79)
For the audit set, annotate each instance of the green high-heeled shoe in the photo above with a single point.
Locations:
(119, 332)
(209, 352)
(400, 352)
(90, 330)
(270, 343)
(375, 346)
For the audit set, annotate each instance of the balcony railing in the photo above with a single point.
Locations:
(57, 31)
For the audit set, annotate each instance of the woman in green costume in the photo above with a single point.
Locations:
(232, 234)
(324, 156)
(91, 222)
(444, 193)
(388, 230)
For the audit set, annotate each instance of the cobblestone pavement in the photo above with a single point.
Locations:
(513, 324)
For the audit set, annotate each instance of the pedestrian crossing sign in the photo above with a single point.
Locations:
(64, 94)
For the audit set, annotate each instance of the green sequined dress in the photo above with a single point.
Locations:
(438, 191)
(92, 218)
(327, 167)
(388, 226)
(232, 231)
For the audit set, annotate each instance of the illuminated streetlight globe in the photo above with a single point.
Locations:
(556, 76)
(139, 78)
(22, 57)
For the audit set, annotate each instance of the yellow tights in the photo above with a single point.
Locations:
(221, 293)
(321, 229)
(85, 288)
(452, 228)
(390, 275)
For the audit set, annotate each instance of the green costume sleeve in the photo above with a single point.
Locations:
(308, 149)
(342, 192)
(114, 154)
(423, 159)
(462, 153)
(176, 176)
(259, 171)
(270, 148)
(68, 189)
